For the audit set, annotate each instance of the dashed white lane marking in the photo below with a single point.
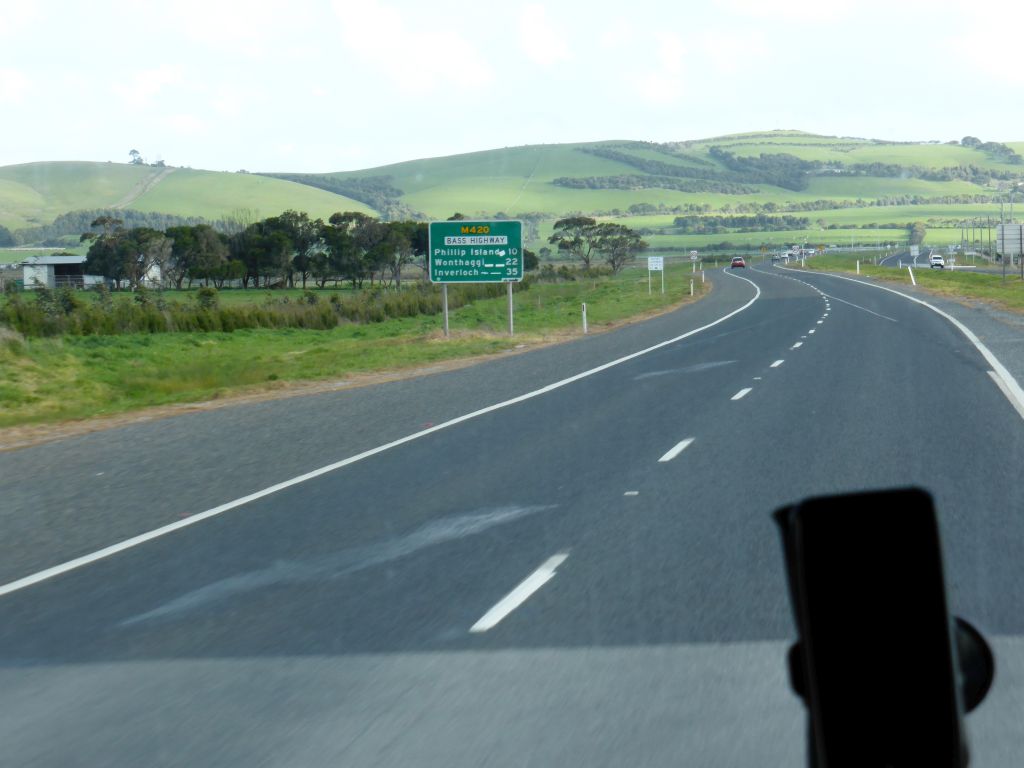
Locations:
(1010, 388)
(742, 393)
(820, 322)
(676, 449)
(865, 309)
(797, 345)
(520, 594)
(777, 363)
(142, 538)
(631, 493)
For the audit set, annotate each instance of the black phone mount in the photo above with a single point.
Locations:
(973, 656)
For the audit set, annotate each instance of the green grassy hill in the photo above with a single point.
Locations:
(846, 188)
(214, 195)
(843, 186)
(522, 179)
(34, 194)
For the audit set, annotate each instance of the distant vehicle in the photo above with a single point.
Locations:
(935, 260)
(737, 261)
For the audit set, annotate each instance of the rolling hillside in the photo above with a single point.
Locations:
(843, 189)
(34, 194)
(623, 173)
(848, 189)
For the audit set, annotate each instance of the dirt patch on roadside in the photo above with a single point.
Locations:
(14, 438)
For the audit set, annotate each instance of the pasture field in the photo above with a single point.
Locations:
(518, 180)
(69, 377)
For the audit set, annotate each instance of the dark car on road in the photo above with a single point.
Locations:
(737, 261)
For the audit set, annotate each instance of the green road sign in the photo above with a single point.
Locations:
(476, 251)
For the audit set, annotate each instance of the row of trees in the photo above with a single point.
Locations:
(586, 241)
(1000, 151)
(281, 250)
(635, 181)
(745, 223)
(73, 223)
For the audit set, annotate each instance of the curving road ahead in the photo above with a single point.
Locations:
(570, 560)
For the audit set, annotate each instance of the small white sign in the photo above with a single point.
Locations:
(655, 263)
(693, 255)
(915, 250)
(1009, 239)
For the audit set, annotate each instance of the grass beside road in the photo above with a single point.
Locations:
(68, 378)
(956, 284)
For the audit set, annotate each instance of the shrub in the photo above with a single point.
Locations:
(207, 298)
(65, 312)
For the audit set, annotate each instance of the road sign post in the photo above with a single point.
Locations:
(511, 321)
(444, 304)
(475, 252)
(656, 264)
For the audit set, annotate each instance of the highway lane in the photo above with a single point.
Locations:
(331, 621)
(68, 498)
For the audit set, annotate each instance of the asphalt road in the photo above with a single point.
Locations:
(587, 574)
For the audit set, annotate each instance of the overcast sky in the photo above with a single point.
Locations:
(346, 84)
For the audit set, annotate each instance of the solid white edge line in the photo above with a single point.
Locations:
(742, 393)
(777, 363)
(1006, 392)
(134, 541)
(1010, 386)
(678, 448)
(520, 594)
